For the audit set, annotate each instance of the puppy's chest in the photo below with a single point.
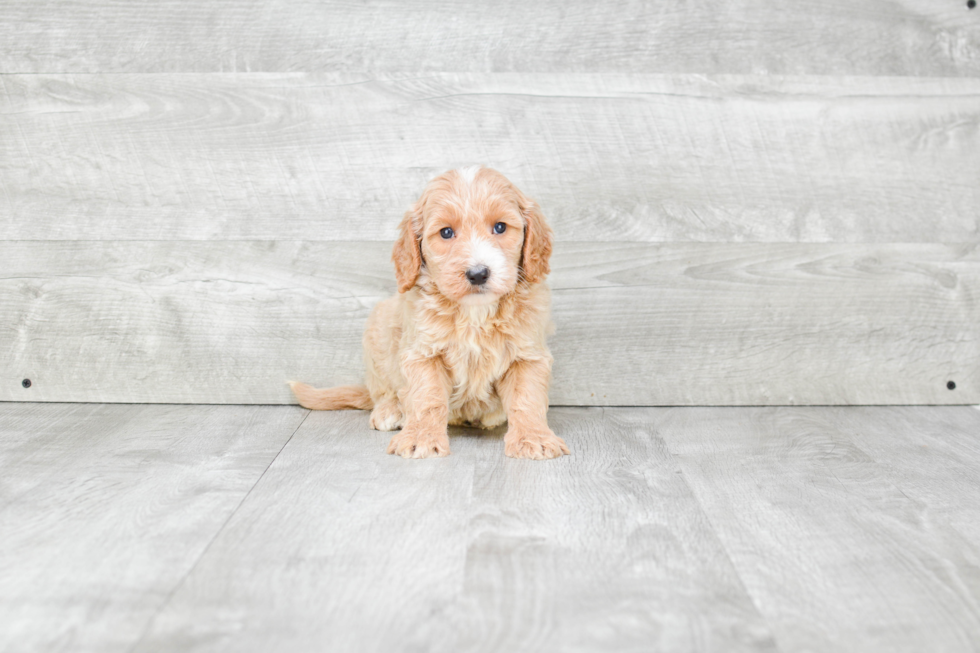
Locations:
(476, 358)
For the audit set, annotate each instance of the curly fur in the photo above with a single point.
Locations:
(446, 351)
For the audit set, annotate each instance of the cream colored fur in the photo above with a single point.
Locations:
(446, 351)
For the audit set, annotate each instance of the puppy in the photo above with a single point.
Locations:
(463, 342)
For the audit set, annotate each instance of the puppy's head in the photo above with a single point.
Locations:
(476, 234)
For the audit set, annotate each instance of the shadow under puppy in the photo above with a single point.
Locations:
(463, 341)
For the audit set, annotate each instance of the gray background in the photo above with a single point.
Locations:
(754, 202)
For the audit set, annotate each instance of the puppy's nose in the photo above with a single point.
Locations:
(478, 275)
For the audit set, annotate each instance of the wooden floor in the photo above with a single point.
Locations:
(270, 528)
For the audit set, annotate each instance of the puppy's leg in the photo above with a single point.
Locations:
(381, 368)
(386, 416)
(425, 400)
(524, 392)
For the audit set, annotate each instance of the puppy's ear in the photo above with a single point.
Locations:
(537, 241)
(407, 254)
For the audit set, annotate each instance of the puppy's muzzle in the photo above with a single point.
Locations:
(478, 275)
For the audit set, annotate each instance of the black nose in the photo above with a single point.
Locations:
(478, 276)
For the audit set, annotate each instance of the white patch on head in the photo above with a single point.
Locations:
(468, 174)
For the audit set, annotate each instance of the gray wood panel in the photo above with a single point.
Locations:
(105, 509)
(647, 324)
(933, 456)
(836, 555)
(341, 547)
(871, 37)
(609, 157)
(163, 528)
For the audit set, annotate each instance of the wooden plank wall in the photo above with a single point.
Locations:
(754, 203)
(871, 37)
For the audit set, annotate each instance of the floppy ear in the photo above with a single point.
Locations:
(407, 254)
(537, 241)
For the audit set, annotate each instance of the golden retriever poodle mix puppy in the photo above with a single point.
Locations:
(463, 341)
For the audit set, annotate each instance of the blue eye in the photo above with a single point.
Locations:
(446, 233)
(499, 228)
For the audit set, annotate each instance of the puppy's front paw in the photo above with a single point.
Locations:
(537, 444)
(413, 443)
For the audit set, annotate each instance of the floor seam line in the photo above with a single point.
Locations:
(217, 533)
(724, 548)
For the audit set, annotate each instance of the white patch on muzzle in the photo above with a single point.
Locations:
(483, 253)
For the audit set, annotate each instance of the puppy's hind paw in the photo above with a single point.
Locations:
(386, 417)
(535, 445)
(410, 443)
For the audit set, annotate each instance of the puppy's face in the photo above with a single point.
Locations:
(473, 229)
(472, 232)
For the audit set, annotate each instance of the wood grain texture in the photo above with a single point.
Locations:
(932, 456)
(637, 324)
(104, 510)
(873, 37)
(687, 529)
(612, 158)
(834, 552)
(341, 547)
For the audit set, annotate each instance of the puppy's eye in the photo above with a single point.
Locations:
(499, 228)
(446, 233)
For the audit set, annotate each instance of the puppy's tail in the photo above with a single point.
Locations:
(345, 396)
